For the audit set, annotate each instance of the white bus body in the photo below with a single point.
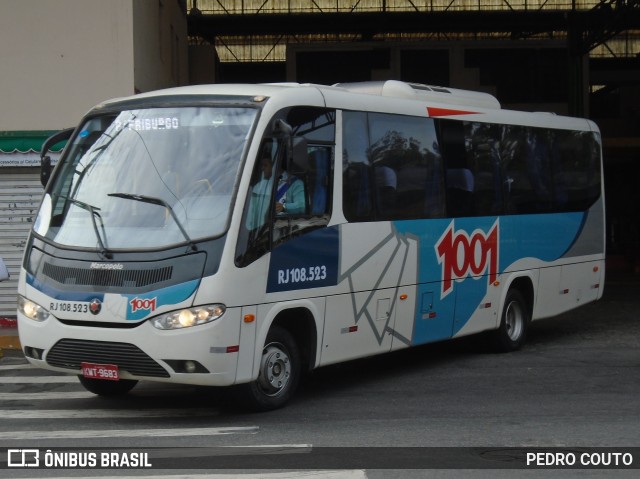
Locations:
(407, 214)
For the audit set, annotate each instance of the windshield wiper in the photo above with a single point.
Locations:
(94, 214)
(160, 202)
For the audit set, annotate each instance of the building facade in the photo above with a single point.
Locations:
(77, 53)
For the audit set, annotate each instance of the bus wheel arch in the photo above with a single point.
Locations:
(288, 349)
(301, 325)
(515, 317)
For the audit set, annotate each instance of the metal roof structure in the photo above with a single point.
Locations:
(260, 30)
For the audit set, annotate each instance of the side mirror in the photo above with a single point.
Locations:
(300, 157)
(281, 129)
(4, 272)
(284, 132)
(45, 160)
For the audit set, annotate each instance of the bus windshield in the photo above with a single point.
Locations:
(147, 178)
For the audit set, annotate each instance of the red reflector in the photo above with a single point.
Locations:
(564, 291)
(353, 329)
(233, 349)
(432, 111)
(432, 314)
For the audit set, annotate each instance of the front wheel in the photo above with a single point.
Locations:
(279, 373)
(102, 387)
(512, 331)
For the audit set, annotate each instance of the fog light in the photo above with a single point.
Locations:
(34, 353)
(187, 366)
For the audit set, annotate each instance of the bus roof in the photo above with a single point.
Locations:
(387, 90)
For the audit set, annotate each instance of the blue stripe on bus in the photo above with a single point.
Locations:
(519, 237)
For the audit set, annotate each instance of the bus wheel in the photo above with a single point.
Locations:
(279, 373)
(512, 332)
(102, 387)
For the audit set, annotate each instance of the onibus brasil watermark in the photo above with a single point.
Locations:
(36, 458)
(309, 457)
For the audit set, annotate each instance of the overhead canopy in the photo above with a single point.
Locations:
(26, 141)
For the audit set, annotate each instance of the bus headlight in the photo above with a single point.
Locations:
(185, 318)
(32, 310)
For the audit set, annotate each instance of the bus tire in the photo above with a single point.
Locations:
(102, 387)
(279, 375)
(512, 332)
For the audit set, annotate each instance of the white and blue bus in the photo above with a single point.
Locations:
(238, 235)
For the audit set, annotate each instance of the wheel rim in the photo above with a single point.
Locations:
(514, 320)
(275, 369)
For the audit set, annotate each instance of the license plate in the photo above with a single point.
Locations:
(107, 372)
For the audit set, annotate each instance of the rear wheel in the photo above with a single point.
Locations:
(280, 367)
(512, 332)
(102, 387)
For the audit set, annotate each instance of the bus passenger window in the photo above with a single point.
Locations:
(356, 181)
(460, 179)
(386, 188)
(357, 192)
(576, 176)
(393, 168)
(483, 159)
(526, 162)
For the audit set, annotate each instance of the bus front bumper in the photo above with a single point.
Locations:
(204, 355)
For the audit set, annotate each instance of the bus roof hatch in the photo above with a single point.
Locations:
(418, 91)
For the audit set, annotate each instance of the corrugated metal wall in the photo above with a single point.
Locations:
(20, 194)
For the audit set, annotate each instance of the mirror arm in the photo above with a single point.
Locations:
(45, 160)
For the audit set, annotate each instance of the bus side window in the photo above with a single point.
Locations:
(527, 170)
(392, 169)
(459, 178)
(357, 171)
(386, 181)
(576, 170)
(483, 158)
(306, 179)
(357, 192)
(319, 181)
(305, 195)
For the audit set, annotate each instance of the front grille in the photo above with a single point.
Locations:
(107, 277)
(69, 353)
